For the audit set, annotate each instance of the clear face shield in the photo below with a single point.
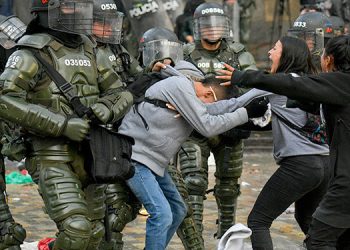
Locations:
(211, 28)
(71, 16)
(107, 27)
(313, 39)
(159, 50)
(11, 29)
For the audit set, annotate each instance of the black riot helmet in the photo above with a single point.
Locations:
(70, 16)
(107, 22)
(313, 27)
(210, 23)
(11, 29)
(158, 44)
(338, 25)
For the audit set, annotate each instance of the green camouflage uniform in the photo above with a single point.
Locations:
(56, 163)
(12, 234)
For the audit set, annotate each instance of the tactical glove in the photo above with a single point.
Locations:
(101, 112)
(76, 129)
(257, 107)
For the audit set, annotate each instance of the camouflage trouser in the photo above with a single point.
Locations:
(12, 234)
(193, 163)
(77, 207)
(187, 232)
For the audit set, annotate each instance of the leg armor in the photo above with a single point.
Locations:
(12, 234)
(95, 198)
(187, 231)
(228, 160)
(64, 202)
(193, 161)
(121, 208)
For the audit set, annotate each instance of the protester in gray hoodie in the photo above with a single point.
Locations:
(158, 142)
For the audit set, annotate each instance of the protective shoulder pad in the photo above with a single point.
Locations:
(89, 43)
(236, 46)
(189, 48)
(37, 41)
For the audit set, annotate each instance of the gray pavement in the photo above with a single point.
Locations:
(26, 205)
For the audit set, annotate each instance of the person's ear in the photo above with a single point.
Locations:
(330, 63)
(208, 93)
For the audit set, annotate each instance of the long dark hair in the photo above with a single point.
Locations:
(339, 48)
(295, 57)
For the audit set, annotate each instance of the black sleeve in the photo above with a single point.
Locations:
(328, 88)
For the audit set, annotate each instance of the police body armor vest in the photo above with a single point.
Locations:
(210, 62)
(77, 66)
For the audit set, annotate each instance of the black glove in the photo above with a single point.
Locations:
(257, 107)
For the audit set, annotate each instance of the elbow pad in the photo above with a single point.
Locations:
(32, 117)
(119, 103)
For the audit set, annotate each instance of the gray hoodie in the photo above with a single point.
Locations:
(157, 145)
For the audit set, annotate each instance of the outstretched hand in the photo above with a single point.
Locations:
(226, 74)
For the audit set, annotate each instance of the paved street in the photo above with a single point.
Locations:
(27, 208)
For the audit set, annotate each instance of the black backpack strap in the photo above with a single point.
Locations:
(156, 102)
(64, 86)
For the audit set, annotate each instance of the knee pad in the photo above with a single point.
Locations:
(196, 184)
(74, 233)
(226, 189)
(121, 215)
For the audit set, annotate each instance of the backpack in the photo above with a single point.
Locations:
(314, 128)
(138, 89)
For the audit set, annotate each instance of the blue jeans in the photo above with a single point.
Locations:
(162, 201)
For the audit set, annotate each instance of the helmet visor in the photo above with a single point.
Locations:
(314, 40)
(212, 28)
(71, 16)
(107, 27)
(161, 49)
(12, 29)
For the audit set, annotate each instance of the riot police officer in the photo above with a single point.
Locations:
(122, 206)
(12, 234)
(162, 45)
(316, 29)
(338, 25)
(212, 47)
(142, 15)
(34, 101)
